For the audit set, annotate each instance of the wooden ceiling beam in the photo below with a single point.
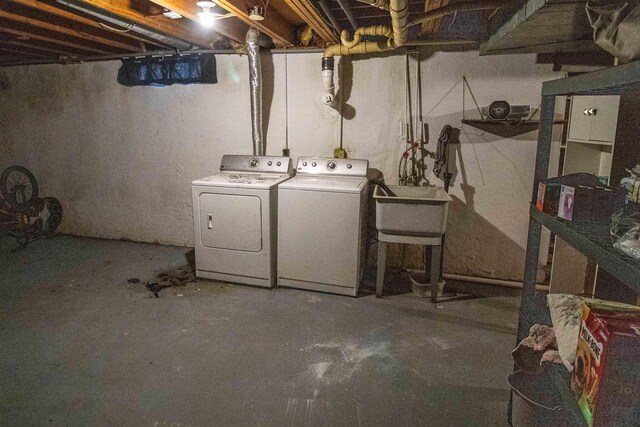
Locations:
(27, 53)
(34, 36)
(11, 57)
(274, 24)
(40, 48)
(18, 62)
(174, 28)
(231, 28)
(310, 15)
(432, 26)
(62, 13)
(66, 31)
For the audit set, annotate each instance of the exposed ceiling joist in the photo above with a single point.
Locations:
(432, 27)
(50, 39)
(230, 28)
(174, 28)
(73, 17)
(66, 31)
(308, 12)
(23, 52)
(274, 25)
(29, 47)
(54, 50)
(4, 62)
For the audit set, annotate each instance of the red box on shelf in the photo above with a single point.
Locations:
(606, 374)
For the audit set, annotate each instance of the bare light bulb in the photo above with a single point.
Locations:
(206, 17)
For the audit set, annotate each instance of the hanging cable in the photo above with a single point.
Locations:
(117, 30)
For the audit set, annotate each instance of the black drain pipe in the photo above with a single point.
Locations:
(332, 18)
(344, 5)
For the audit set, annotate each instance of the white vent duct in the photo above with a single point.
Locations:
(255, 86)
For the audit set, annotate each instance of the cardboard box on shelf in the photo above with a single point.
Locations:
(606, 376)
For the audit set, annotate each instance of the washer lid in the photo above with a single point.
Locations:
(338, 184)
(242, 180)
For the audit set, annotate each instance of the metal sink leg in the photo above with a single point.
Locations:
(382, 264)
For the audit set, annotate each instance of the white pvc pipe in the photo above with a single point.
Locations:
(496, 282)
(328, 93)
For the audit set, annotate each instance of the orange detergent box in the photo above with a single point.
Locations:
(606, 374)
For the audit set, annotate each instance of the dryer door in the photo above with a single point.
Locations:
(230, 221)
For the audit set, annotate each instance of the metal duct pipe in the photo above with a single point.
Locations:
(344, 5)
(255, 86)
(121, 22)
(459, 7)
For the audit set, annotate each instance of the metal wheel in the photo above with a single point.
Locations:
(18, 186)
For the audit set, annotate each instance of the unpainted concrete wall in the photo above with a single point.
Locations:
(121, 159)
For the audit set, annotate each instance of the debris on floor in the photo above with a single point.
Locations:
(174, 278)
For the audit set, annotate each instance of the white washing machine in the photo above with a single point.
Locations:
(321, 225)
(235, 219)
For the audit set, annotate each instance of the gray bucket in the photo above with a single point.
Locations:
(536, 402)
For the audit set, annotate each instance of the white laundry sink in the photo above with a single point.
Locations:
(415, 211)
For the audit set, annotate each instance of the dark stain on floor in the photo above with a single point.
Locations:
(174, 278)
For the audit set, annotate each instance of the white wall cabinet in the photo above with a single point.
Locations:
(594, 119)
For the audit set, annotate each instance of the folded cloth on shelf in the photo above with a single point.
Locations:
(540, 346)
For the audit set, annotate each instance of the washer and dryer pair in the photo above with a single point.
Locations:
(253, 219)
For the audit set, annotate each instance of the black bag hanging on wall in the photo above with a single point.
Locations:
(616, 26)
(167, 70)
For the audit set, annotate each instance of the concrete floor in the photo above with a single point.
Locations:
(82, 346)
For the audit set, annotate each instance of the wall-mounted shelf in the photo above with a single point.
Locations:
(506, 128)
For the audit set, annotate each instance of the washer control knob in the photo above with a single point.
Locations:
(253, 163)
(269, 163)
(331, 165)
(278, 163)
(314, 164)
(349, 166)
(304, 163)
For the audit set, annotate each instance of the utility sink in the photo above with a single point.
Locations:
(415, 211)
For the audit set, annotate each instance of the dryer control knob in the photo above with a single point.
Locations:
(331, 165)
(253, 163)
(278, 164)
(269, 163)
(304, 163)
(314, 164)
(349, 166)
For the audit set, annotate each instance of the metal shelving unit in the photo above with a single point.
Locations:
(590, 238)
